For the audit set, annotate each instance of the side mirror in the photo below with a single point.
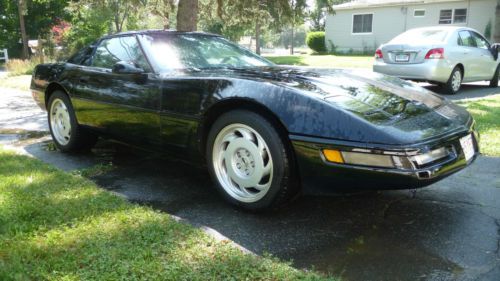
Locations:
(124, 67)
(494, 50)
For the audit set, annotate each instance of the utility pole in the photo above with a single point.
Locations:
(22, 10)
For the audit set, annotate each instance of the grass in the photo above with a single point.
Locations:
(17, 67)
(330, 61)
(60, 226)
(21, 82)
(486, 112)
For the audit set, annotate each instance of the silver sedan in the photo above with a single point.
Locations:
(447, 56)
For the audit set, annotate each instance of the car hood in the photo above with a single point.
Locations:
(400, 109)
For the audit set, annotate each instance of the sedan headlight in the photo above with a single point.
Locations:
(385, 159)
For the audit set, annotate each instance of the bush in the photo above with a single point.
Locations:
(316, 41)
(21, 67)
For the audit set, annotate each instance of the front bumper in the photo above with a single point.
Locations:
(435, 70)
(318, 173)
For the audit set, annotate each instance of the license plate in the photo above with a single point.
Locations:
(402, 58)
(467, 147)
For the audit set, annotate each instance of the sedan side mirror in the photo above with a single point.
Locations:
(124, 67)
(494, 50)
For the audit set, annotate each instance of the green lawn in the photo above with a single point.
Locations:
(330, 61)
(60, 226)
(486, 112)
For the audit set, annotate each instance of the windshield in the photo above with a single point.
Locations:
(180, 51)
(421, 36)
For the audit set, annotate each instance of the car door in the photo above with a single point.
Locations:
(468, 56)
(123, 105)
(487, 64)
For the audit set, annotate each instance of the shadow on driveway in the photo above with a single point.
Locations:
(467, 91)
(450, 231)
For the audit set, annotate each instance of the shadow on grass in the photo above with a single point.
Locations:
(60, 226)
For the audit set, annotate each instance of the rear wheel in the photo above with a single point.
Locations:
(454, 82)
(494, 80)
(68, 136)
(249, 162)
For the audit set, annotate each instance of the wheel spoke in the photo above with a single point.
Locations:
(267, 169)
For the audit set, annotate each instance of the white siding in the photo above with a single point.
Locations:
(390, 21)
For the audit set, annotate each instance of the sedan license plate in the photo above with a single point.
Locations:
(402, 58)
(467, 147)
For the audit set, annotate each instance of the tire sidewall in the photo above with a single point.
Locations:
(494, 81)
(74, 124)
(276, 149)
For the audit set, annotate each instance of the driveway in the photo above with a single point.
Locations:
(449, 231)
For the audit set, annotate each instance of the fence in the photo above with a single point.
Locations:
(5, 56)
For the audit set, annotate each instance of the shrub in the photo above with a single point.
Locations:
(316, 41)
(21, 67)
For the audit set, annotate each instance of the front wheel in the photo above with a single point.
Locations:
(68, 136)
(249, 161)
(454, 82)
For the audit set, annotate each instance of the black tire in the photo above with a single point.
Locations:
(448, 88)
(494, 80)
(284, 184)
(79, 139)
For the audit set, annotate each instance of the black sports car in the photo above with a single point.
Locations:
(263, 130)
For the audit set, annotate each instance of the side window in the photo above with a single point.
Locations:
(480, 41)
(466, 39)
(113, 50)
(82, 57)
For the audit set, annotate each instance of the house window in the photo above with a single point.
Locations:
(460, 16)
(419, 13)
(445, 16)
(362, 23)
(450, 16)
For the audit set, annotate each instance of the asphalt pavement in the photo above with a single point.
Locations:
(448, 231)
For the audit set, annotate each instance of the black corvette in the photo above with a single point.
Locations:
(263, 131)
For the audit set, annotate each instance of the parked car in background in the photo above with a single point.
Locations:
(262, 130)
(443, 55)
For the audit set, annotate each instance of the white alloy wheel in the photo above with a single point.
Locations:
(242, 163)
(60, 122)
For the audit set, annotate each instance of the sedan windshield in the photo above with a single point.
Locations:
(183, 51)
(421, 36)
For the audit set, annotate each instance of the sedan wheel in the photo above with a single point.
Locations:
(454, 82)
(249, 161)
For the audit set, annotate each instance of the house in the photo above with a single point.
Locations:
(363, 25)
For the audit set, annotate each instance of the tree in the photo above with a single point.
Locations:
(39, 16)
(252, 15)
(318, 14)
(296, 16)
(22, 11)
(187, 15)
(163, 9)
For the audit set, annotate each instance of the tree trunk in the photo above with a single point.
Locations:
(21, 6)
(187, 15)
(257, 37)
(291, 40)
